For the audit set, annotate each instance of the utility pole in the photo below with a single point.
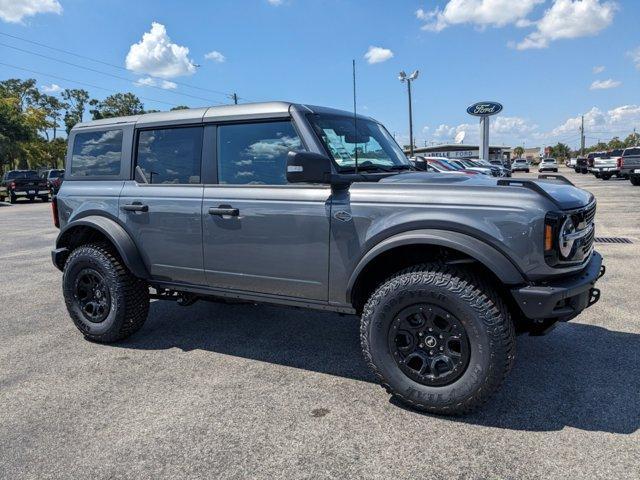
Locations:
(234, 97)
(582, 136)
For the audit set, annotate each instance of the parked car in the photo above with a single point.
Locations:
(23, 183)
(503, 171)
(471, 165)
(548, 165)
(629, 163)
(603, 166)
(54, 179)
(571, 163)
(439, 165)
(520, 165)
(297, 205)
(582, 165)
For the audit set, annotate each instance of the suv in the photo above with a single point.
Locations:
(23, 183)
(310, 207)
(629, 164)
(520, 165)
(548, 165)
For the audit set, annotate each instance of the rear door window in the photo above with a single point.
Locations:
(97, 154)
(170, 155)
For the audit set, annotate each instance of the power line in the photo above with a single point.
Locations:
(57, 77)
(106, 73)
(119, 67)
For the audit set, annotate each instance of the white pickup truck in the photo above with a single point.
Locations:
(605, 164)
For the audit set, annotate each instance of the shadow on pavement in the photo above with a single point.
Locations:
(579, 376)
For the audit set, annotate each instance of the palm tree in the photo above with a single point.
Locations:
(519, 151)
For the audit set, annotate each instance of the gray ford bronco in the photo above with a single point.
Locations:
(313, 207)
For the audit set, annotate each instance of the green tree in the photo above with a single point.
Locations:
(518, 152)
(561, 151)
(180, 107)
(117, 105)
(24, 91)
(632, 140)
(76, 102)
(52, 107)
(14, 130)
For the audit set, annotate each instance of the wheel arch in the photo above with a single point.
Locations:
(95, 228)
(402, 250)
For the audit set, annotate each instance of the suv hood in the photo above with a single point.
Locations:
(564, 195)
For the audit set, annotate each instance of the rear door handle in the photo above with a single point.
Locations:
(223, 210)
(135, 207)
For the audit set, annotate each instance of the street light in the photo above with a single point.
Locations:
(402, 76)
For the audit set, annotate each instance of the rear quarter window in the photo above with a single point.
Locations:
(97, 154)
(631, 151)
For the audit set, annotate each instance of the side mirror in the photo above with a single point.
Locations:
(308, 167)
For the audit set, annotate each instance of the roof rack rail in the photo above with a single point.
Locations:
(551, 176)
(531, 185)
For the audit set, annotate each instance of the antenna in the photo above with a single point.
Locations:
(355, 121)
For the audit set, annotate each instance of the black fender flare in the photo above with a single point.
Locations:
(114, 232)
(479, 250)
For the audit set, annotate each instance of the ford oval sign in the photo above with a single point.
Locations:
(484, 109)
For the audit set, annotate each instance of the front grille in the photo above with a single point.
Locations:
(590, 214)
(586, 219)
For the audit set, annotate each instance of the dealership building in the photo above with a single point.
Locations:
(458, 150)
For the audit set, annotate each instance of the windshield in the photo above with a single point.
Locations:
(371, 143)
(22, 174)
(447, 165)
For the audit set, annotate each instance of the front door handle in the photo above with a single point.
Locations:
(135, 207)
(224, 210)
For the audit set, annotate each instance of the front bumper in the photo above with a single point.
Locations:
(562, 299)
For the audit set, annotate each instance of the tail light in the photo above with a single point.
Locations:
(54, 212)
(12, 186)
(620, 162)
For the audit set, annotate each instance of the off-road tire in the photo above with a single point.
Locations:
(635, 180)
(478, 307)
(606, 177)
(129, 296)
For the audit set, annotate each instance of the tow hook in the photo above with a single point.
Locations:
(594, 296)
(603, 269)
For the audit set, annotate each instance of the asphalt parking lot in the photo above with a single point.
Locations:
(241, 391)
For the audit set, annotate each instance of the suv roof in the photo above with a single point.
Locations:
(243, 111)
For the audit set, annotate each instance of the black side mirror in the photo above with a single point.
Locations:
(308, 167)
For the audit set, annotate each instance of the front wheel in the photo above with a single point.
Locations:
(438, 339)
(105, 301)
(606, 177)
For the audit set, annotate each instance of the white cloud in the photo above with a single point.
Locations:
(605, 84)
(482, 13)
(378, 55)
(598, 69)
(156, 55)
(619, 119)
(152, 82)
(53, 88)
(13, 11)
(275, 3)
(215, 56)
(570, 19)
(635, 56)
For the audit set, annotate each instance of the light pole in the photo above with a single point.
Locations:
(402, 76)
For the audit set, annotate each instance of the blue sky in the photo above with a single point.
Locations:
(546, 61)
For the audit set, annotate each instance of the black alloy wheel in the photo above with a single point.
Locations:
(92, 294)
(429, 344)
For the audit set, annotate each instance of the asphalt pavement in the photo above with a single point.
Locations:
(246, 391)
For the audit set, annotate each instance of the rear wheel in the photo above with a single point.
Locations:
(606, 176)
(439, 339)
(44, 198)
(12, 198)
(635, 180)
(105, 301)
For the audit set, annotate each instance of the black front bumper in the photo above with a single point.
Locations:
(564, 298)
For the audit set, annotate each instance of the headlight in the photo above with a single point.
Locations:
(565, 240)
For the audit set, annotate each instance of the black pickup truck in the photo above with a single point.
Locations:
(629, 164)
(23, 183)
